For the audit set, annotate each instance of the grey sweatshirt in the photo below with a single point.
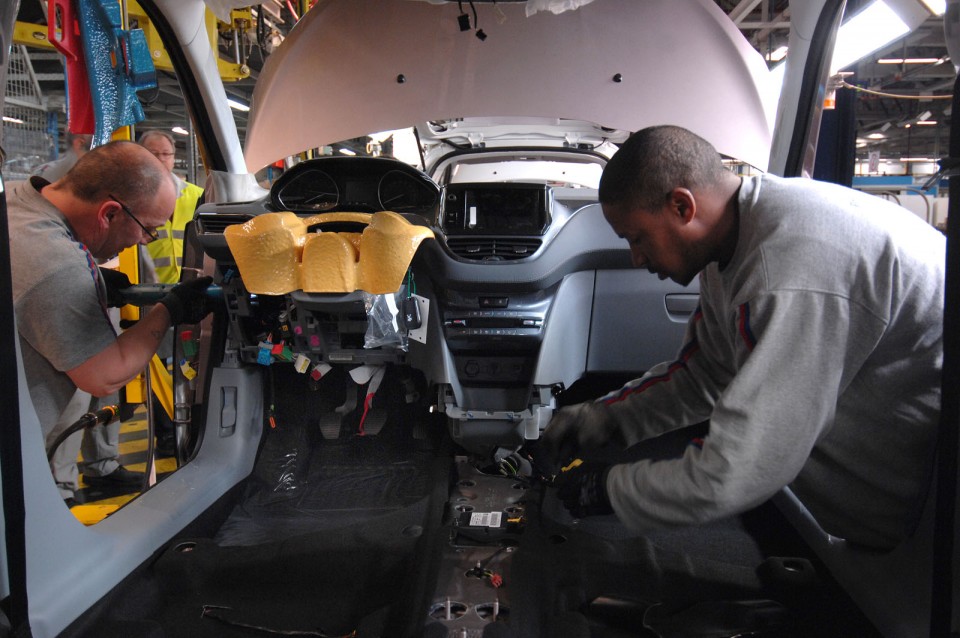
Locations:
(816, 356)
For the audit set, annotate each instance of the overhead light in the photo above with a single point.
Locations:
(927, 123)
(877, 136)
(12, 120)
(924, 116)
(908, 60)
(179, 130)
(347, 151)
(917, 159)
(239, 106)
(864, 33)
(936, 7)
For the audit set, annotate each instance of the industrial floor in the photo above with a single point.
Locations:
(391, 535)
(98, 502)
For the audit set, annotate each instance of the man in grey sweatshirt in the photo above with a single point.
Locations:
(815, 354)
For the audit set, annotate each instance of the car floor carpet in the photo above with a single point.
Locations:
(327, 538)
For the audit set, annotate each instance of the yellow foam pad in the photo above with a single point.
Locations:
(329, 263)
(268, 249)
(386, 247)
(276, 255)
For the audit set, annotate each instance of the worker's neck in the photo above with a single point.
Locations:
(80, 215)
(728, 224)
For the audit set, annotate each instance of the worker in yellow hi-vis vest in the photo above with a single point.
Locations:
(167, 251)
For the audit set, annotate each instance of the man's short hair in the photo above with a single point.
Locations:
(112, 169)
(654, 161)
(146, 135)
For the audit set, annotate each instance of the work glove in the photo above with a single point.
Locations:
(583, 489)
(583, 426)
(187, 302)
(115, 282)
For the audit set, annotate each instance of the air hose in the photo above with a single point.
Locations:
(102, 416)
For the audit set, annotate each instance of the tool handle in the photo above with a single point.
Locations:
(147, 294)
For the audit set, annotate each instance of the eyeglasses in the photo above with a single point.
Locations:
(162, 155)
(152, 234)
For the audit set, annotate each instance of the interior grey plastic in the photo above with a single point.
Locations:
(582, 241)
(563, 352)
(627, 299)
(66, 560)
(892, 588)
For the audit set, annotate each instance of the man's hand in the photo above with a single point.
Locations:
(187, 302)
(114, 281)
(583, 426)
(583, 489)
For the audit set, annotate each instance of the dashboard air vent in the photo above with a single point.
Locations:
(216, 224)
(493, 248)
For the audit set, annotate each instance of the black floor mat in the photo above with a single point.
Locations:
(305, 483)
(327, 538)
(329, 581)
(348, 482)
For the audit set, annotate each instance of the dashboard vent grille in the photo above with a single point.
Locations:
(493, 248)
(216, 224)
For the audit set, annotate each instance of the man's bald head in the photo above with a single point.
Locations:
(123, 169)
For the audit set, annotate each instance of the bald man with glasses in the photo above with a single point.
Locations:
(114, 197)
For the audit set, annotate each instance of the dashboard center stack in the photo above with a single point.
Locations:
(495, 336)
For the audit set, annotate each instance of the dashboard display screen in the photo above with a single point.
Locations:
(496, 209)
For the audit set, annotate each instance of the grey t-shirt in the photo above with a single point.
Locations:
(58, 300)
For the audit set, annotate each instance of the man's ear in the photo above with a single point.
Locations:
(105, 214)
(683, 203)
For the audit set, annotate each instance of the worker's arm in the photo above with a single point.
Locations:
(670, 395)
(114, 367)
(795, 352)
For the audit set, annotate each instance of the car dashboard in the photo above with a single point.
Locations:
(524, 290)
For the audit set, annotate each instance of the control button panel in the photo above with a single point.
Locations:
(493, 323)
(493, 302)
(482, 369)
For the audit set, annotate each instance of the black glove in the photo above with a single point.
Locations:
(114, 281)
(580, 427)
(187, 302)
(583, 489)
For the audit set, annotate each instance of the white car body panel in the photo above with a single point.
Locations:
(328, 82)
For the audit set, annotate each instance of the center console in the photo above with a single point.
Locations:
(495, 336)
(483, 331)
